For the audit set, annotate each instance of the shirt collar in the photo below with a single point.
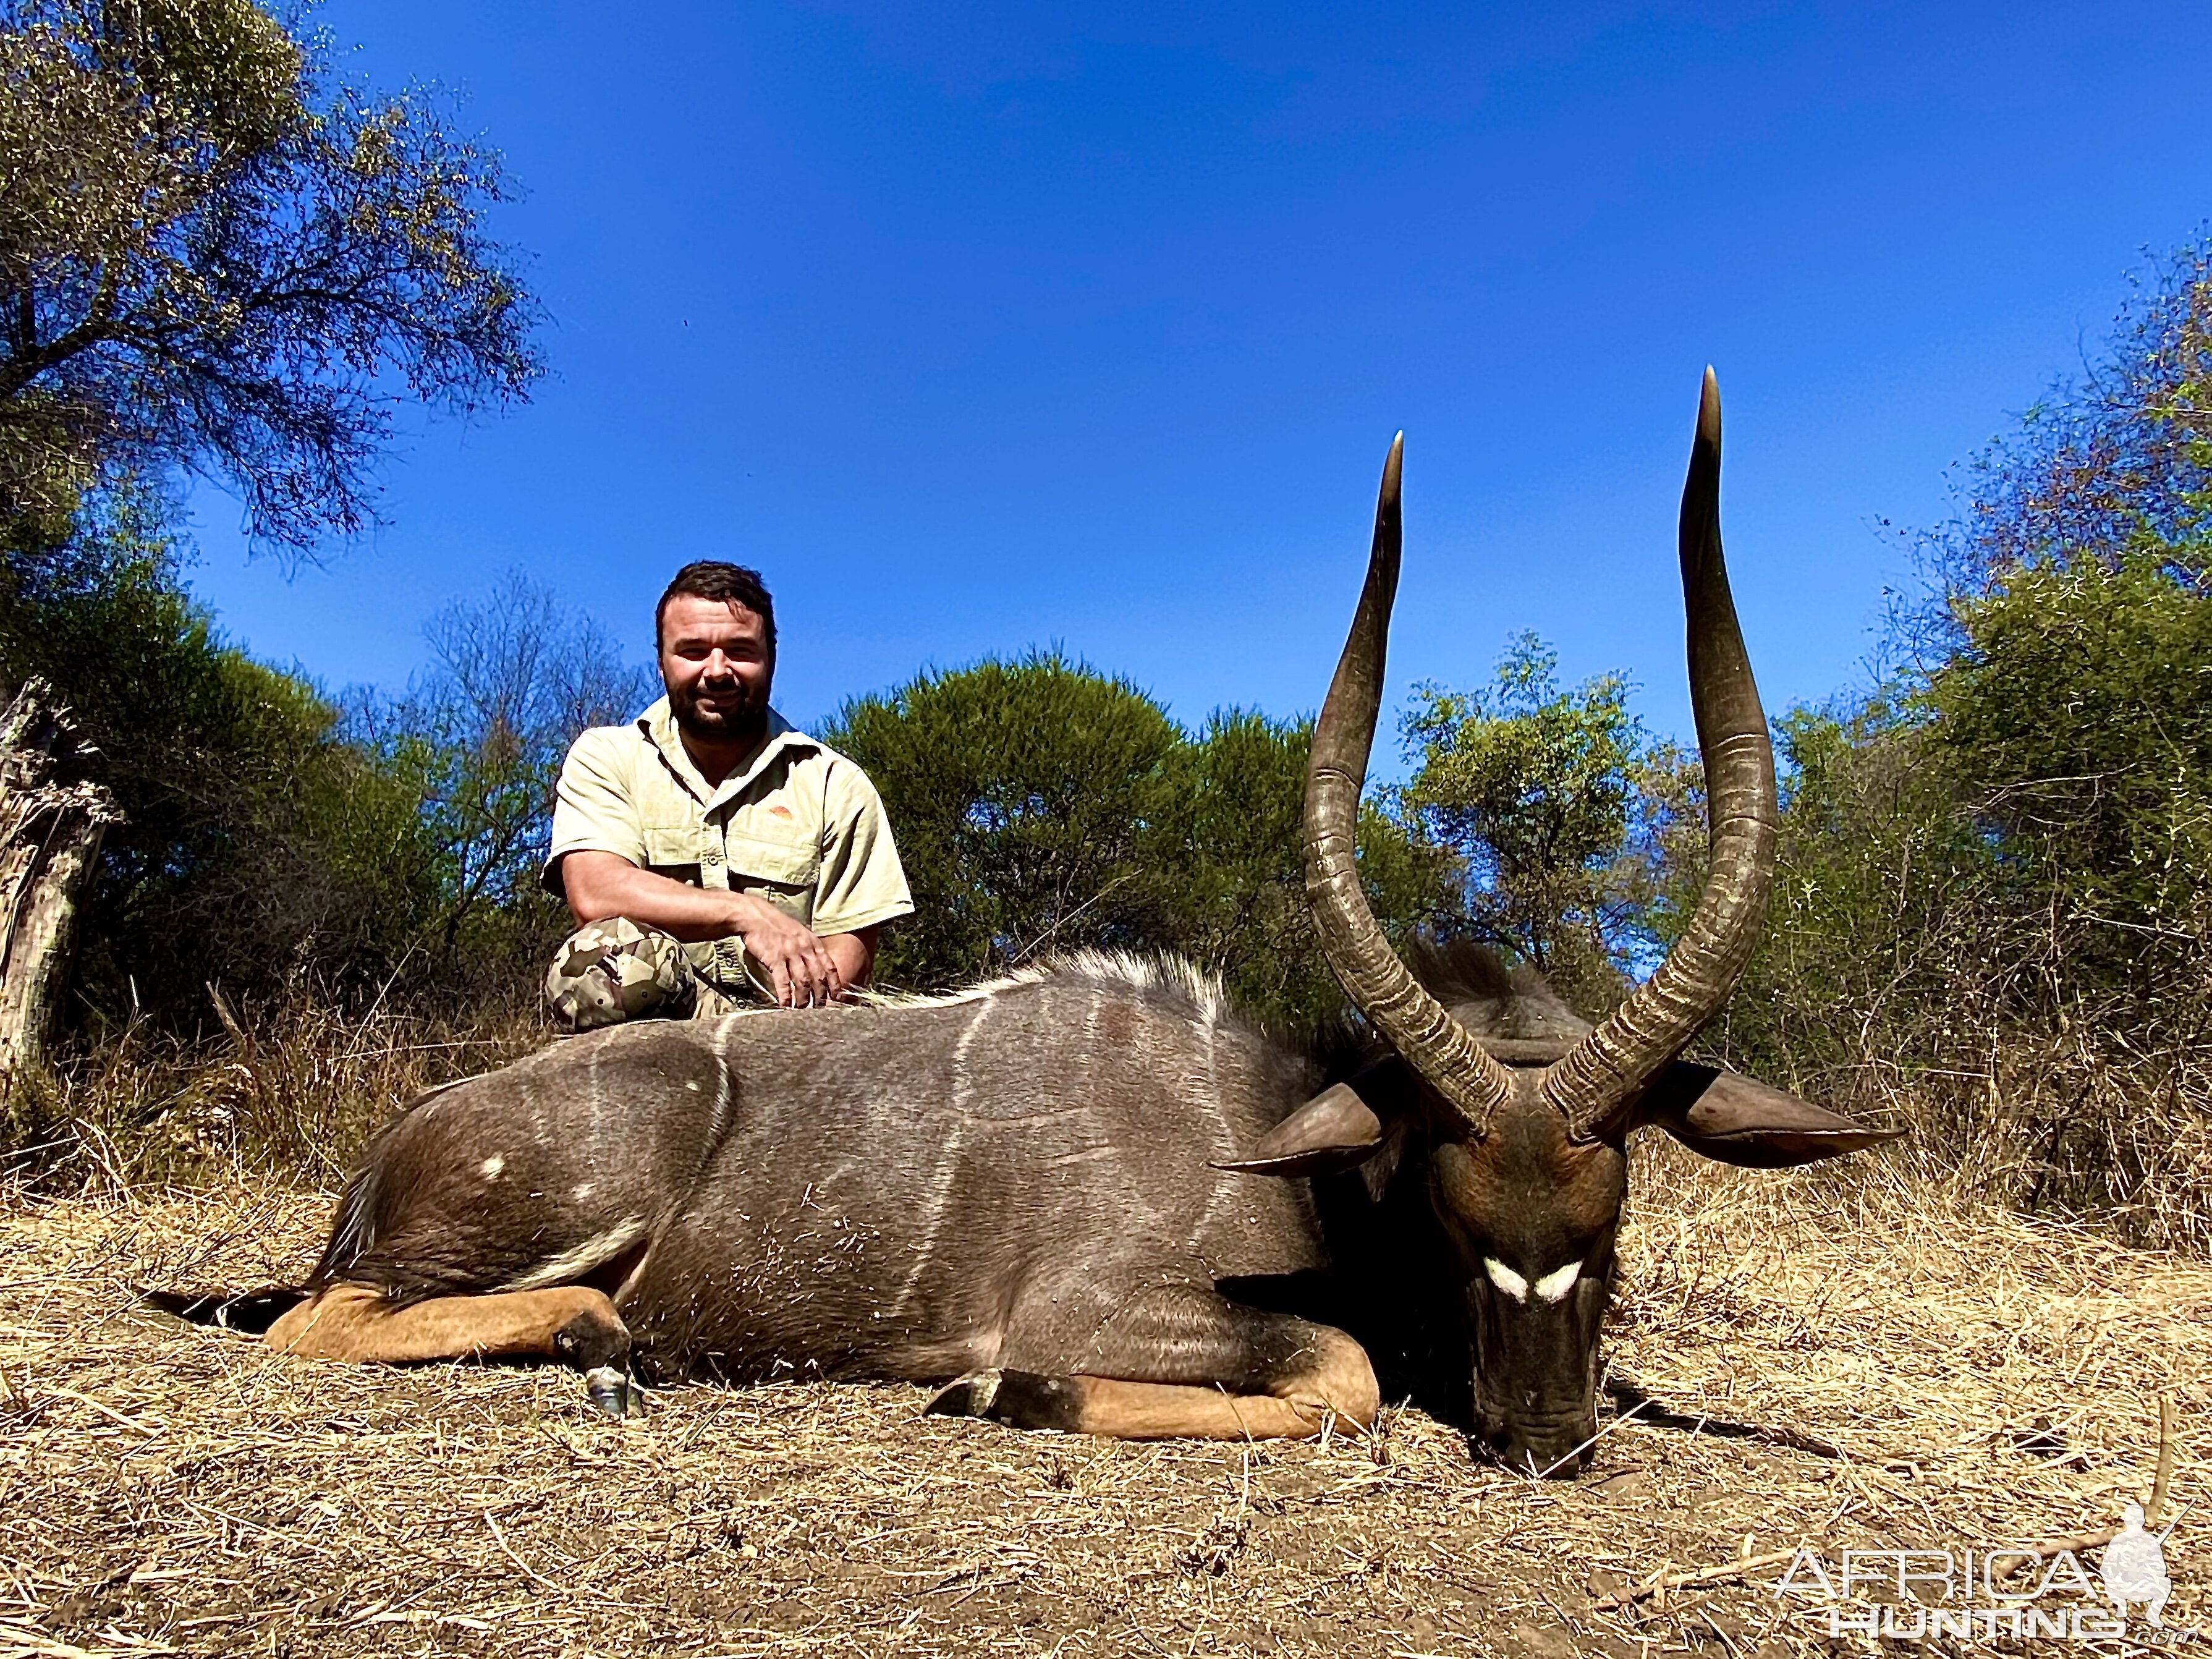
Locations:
(659, 725)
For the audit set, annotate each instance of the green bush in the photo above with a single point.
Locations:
(256, 845)
(1041, 805)
(1537, 793)
(1994, 909)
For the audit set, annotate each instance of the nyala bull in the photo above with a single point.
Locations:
(1089, 1197)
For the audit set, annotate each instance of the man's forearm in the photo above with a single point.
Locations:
(804, 967)
(601, 884)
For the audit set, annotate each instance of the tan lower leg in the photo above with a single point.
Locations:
(1339, 1392)
(1174, 1411)
(356, 1322)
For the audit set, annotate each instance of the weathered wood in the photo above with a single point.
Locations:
(52, 816)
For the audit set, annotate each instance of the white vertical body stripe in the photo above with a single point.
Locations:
(948, 1158)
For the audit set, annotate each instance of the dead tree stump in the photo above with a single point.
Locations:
(53, 815)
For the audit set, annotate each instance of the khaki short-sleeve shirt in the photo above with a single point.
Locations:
(800, 827)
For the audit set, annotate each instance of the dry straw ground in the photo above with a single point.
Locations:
(1907, 1379)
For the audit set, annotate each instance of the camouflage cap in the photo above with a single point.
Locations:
(611, 971)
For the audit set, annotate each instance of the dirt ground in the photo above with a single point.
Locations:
(1830, 1368)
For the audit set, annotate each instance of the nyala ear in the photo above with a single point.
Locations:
(1729, 1117)
(1335, 1130)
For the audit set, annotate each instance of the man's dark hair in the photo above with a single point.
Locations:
(711, 578)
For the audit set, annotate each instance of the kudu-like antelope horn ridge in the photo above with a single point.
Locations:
(1380, 986)
(1603, 1074)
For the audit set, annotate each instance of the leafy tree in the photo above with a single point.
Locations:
(214, 256)
(480, 739)
(2067, 716)
(1029, 798)
(1042, 806)
(256, 846)
(1240, 891)
(1878, 898)
(1995, 899)
(2077, 721)
(1535, 790)
(2117, 460)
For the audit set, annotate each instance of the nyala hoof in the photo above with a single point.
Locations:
(608, 1389)
(965, 1396)
(1020, 1400)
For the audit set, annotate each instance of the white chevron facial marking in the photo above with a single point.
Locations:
(1554, 1286)
(1505, 1279)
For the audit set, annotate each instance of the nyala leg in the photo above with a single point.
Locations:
(1180, 1362)
(572, 1323)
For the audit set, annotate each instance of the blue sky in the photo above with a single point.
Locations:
(981, 327)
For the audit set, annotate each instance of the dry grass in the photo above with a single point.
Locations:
(170, 1490)
(295, 1087)
(2075, 1127)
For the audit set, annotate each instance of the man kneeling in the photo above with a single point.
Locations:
(714, 856)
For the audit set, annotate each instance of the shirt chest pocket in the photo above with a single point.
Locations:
(754, 862)
(672, 850)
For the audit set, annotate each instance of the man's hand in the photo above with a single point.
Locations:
(806, 973)
(806, 969)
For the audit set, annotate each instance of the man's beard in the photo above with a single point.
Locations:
(743, 718)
